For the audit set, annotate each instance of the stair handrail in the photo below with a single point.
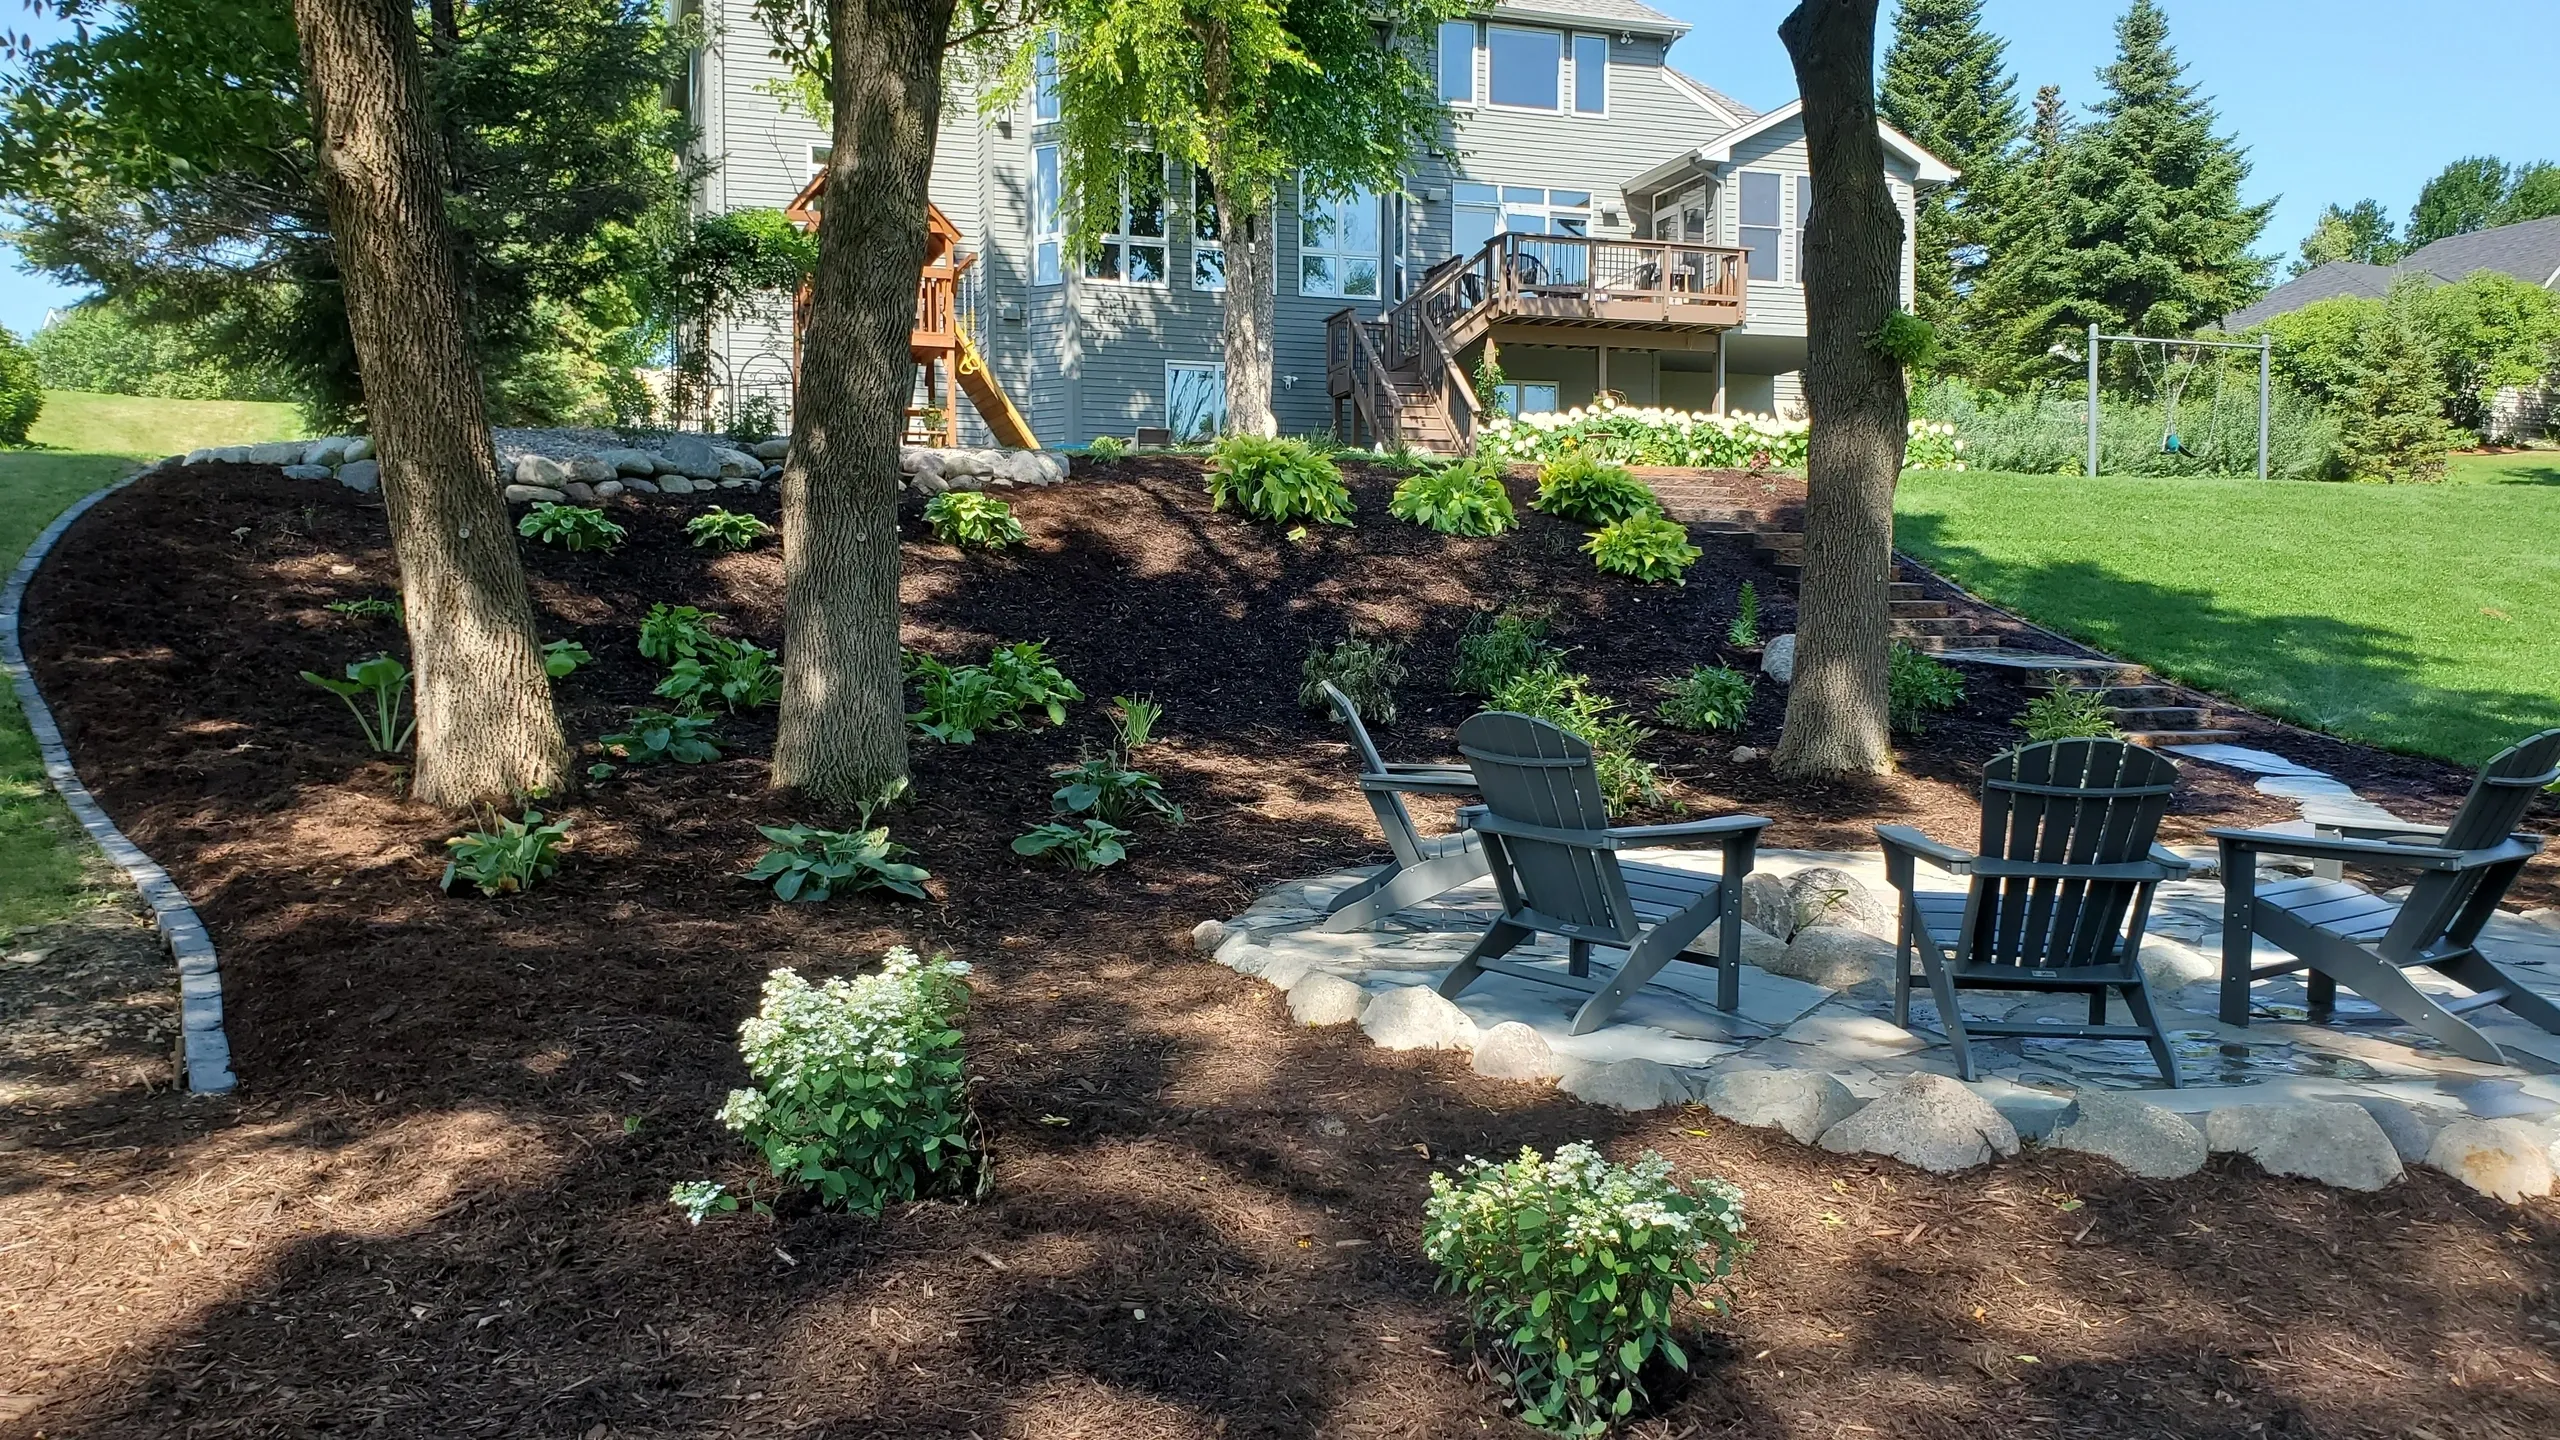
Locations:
(1368, 378)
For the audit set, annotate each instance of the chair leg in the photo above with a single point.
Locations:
(2321, 992)
(1902, 968)
(1643, 962)
(2137, 998)
(2097, 1007)
(2482, 973)
(2237, 945)
(1499, 939)
(1403, 889)
(2381, 982)
(1729, 950)
(1942, 988)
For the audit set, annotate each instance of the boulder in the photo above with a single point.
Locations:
(275, 452)
(534, 494)
(592, 468)
(1208, 935)
(2412, 1129)
(1625, 1084)
(1744, 754)
(361, 476)
(607, 489)
(2151, 1142)
(2169, 966)
(638, 486)
(929, 485)
(1514, 1051)
(1416, 1017)
(1325, 999)
(198, 456)
(1804, 1103)
(360, 448)
(1240, 952)
(771, 473)
(736, 464)
(694, 458)
(1933, 1122)
(1778, 660)
(2330, 1141)
(1282, 969)
(329, 452)
(1834, 957)
(541, 470)
(306, 472)
(1759, 947)
(2506, 1159)
(581, 491)
(674, 485)
(1767, 905)
(773, 447)
(917, 460)
(967, 462)
(630, 462)
(1828, 895)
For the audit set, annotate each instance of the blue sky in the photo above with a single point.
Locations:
(2336, 100)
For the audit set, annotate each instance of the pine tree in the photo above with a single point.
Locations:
(2012, 307)
(1946, 86)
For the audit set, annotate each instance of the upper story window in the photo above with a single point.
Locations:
(1523, 68)
(1134, 250)
(1590, 75)
(1458, 62)
(1208, 252)
(1046, 228)
(1804, 219)
(1044, 79)
(819, 155)
(1338, 244)
(1761, 225)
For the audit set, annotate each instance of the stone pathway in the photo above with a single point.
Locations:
(1832, 1017)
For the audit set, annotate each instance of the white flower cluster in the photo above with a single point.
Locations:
(1739, 423)
(864, 1022)
(1590, 1203)
(696, 1198)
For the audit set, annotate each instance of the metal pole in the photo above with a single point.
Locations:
(2093, 401)
(2265, 355)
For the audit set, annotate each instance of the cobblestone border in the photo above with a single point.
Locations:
(208, 1049)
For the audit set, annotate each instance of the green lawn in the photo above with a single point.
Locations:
(80, 443)
(2424, 618)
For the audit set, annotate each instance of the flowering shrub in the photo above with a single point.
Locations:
(1569, 1267)
(1934, 445)
(859, 1088)
(1647, 435)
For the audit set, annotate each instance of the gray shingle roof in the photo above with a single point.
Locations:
(2529, 251)
(1742, 114)
(2321, 282)
(1626, 14)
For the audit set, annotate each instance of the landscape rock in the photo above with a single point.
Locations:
(674, 485)
(581, 492)
(1933, 1122)
(1767, 905)
(2330, 1141)
(1759, 947)
(607, 489)
(917, 460)
(533, 494)
(930, 485)
(2412, 1129)
(1834, 957)
(1416, 1017)
(773, 448)
(965, 462)
(1778, 660)
(1804, 1103)
(735, 464)
(1207, 936)
(630, 462)
(592, 468)
(2169, 966)
(541, 470)
(1282, 969)
(638, 486)
(361, 476)
(275, 452)
(1828, 895)
(360, 448)
(1323, 999)
(1515, 1051)
(693, 458)
(1744, 754)
(2145, 1139)
(306, 472)
(1625, 1084)
(771, 473)
(2506, 1159)
(330, 451)
(1242, 953)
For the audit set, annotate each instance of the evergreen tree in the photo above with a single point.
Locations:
(2012, 307)
(2361, 234)
(1946, 87)
(2465, 196)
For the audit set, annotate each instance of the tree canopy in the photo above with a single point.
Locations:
(2361, 233)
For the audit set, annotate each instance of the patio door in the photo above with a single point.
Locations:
(1195, 401)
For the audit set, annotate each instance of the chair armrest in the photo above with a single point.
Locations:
(2178, 866)
(2357, 827)
(2064, 870)
(1396, 768)
(1687, 829)
(1453, 782)
(2513, 848)
(2326, 847)
(1912, 842)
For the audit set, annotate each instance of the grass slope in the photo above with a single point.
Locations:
(2421, 618)
(81, 442)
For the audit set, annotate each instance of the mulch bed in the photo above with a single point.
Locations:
(438, 1204)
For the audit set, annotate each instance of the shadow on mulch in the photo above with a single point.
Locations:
(437, 1208)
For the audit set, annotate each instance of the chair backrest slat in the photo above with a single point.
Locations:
(1393, 817)
(2500, 794)
(1515, 760)
(2064, 802)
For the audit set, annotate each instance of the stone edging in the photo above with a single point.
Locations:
(208, 1050)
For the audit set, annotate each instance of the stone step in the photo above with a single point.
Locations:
(1905, 590)
(1938, 625)
(2153, 739)
(1916, 609)
(1936, 643)
(2161, 717)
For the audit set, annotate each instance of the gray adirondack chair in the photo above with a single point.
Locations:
(1424, 865)
(2056, 900)
(1555, 864)
(2344, 934)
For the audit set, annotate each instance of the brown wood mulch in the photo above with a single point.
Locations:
(437, 1206)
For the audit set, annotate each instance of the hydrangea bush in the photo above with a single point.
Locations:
(859, 1086)
(1934, 445)
(1647, 435)
(1569, 1267)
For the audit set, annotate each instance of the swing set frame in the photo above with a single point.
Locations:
(2266, 353)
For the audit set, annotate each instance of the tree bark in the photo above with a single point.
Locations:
(486, 731)
(1836, 709)
(1251, 258)
(843, 733)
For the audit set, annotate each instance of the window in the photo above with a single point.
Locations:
(1458, 62)
(819, 155)
(1044, 79)
(1528, 397)
(1046, 226)
(1523, 67)
(1760, 223)
(1804, 218)
(1338, 244)
(1399, 246)
(1208, 252)
(1195, 400)
(1476, 218)
(1591, 74)
(1134, 250)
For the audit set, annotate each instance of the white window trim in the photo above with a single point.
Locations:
(817, 162)
(1170, 366)
(1573, 71)
(1046, 54)
(1119, 235)
(1564, 53)
(1204, 244)
(1476, 77)
(1056, 233)
(1379, 258)
(1777, 258)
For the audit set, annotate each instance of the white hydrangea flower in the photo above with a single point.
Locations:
(696, 1198)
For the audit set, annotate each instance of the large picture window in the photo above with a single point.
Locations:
(1208, 252)
(1046, 228)
(1590, 74)
(1458, 62)
(1195, 400)
(1338, 244)
(1761, 224)
(1524, 68)
(1134, 251)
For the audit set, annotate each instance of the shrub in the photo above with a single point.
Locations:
(718, 529)
(654, 737)
(570, 527)
(383, 683)
(1918, 687)
(1709, 697)
(1647, 435)
(1566, 702)
(1094, 845)
(2067, 712)
(957, 701)
(1462, 499)
(1932, 445)
(740, 674)
(1496, 648)
(1106, 448)
(1645, 548)
(1596, 494)
(966, 517)
(21, 390)
(1277, 480)
(859, 1083)
(1111, 791)
(508, 859)
(1366, 670)
(2490, 330)
(2046, 431)
(561, 658)
(1569, 1268)
(670, 633)
(810, 864)
(1744, 632)
(369, 608)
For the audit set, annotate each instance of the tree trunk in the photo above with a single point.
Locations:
(843, 735)
(486, 731)
(1836, 709)
(1251, 258)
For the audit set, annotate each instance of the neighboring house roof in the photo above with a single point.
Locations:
(2529, 251)
(1705, 94)
(2320, 282)
(1928, 169)
(1625, 15)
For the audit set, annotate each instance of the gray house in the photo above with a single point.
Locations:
(1606, 221)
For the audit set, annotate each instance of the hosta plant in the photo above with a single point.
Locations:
(561, 658)
(718, 529)
(1917, 687)
(1107, 789)
(1567, 702)
(1710, 697)
(955, 702)
(1106, 448)
(1368, 671)
(382, 684)
(1462, 499)
(1277, 480)
(970, 517)
(1583, 489)
(570, 527)
(1569, 1268)
(810, 865)
(1495, 649)
(1086, 848)
(739, 674)
(654, 737)
(508, 858)
(859, 1085)
(1644, 548)
(669, 633)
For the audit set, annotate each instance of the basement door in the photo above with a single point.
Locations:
(1195, 401)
